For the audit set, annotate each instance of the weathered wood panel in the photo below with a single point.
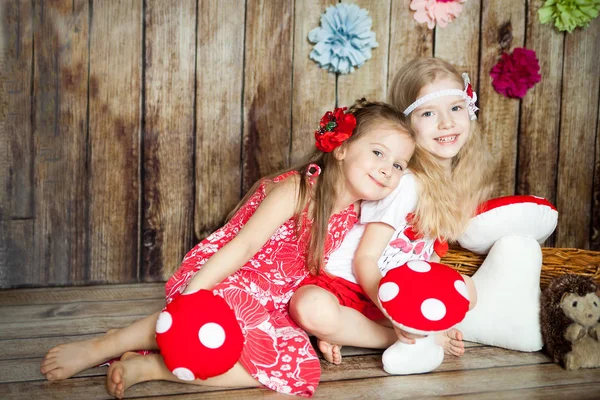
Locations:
(220, 77)
(16, 242)
(540, 113)
(168, 137)
(267, 88)
(60, 140)
(114, 135)
(314, 90)
(577, 136)
(408, 39)
(481, 371)
(502, 29)
(458, 42)
(369, 81)
(595, 228)
(226, 93)
(70, 294)
(16, 144)
(16, 43)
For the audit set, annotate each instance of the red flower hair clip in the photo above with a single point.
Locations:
(335, 127)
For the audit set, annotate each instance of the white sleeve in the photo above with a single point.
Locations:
(392, 209)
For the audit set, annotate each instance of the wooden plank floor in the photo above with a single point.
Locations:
(34, 320)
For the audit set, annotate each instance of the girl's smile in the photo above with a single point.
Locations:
(449, 139)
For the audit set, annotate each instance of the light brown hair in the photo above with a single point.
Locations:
(323, 192)
(446, 200)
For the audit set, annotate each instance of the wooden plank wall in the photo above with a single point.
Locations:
(129, 129)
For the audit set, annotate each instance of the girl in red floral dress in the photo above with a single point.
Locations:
(284, 229)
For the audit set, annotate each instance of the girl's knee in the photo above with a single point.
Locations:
(471, 290)
(314, 309)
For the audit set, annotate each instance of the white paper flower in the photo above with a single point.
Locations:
(344, 40)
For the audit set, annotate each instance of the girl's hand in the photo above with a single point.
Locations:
(407, 337)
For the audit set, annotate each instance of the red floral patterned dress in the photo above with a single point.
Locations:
(276, 351)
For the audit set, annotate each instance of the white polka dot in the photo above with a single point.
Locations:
(433, 309)
(419, 266)
(211, 335)
(461, 288)
(388, 291)
(184, 374)
(164, 322)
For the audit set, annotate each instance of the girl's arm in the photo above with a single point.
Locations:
(276, 208)
(374, 241)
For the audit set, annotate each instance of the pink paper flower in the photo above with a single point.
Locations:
(436, 11)
(516, 73)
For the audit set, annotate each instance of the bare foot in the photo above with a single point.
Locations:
(452, 342)
(130, 370)
(66, 360)
(331, 352)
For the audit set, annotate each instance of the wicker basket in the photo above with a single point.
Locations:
(556, 261)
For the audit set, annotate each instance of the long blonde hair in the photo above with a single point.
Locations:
(323, 192)
(446, 201)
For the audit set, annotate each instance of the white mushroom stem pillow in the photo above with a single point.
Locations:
(511, 230)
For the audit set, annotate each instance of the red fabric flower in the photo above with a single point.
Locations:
(516, 73)
(335, 127)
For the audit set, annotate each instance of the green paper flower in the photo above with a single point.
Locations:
(569, 14)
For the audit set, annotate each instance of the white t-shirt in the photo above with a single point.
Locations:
(392, 210)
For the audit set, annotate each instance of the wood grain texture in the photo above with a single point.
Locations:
(16, 144)
(77, 326)
(114, 134)
(482, 371)
(370, 80)
(408, 39)
(502, 29)
(81, 310)
(24, 297)
(16, 242)
(219, 75)
(595, 228)
(267, 89)
(577, 137)
(314, 89)
(168, 137)
(458, 42)
(540, 113)
(60, 140)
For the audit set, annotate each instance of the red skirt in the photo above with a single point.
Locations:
(349, 294)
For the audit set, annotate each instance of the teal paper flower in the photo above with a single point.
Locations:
(344, 40)
(569, 14)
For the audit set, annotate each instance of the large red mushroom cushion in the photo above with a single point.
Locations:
(424, 297)
(198, 336)
(529, 216)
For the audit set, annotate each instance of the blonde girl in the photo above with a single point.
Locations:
(448, 177)
(285, 227)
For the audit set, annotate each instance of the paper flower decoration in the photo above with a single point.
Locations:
(516, 73)
(334, 129)
(436, 11)
(344, 40)
(569, 14)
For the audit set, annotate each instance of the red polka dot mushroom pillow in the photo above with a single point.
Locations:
(424, 297)
(526, 215)
(198, 336)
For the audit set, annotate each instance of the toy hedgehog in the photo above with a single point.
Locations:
(570, 321)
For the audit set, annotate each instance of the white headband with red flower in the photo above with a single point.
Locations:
(468, 94)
